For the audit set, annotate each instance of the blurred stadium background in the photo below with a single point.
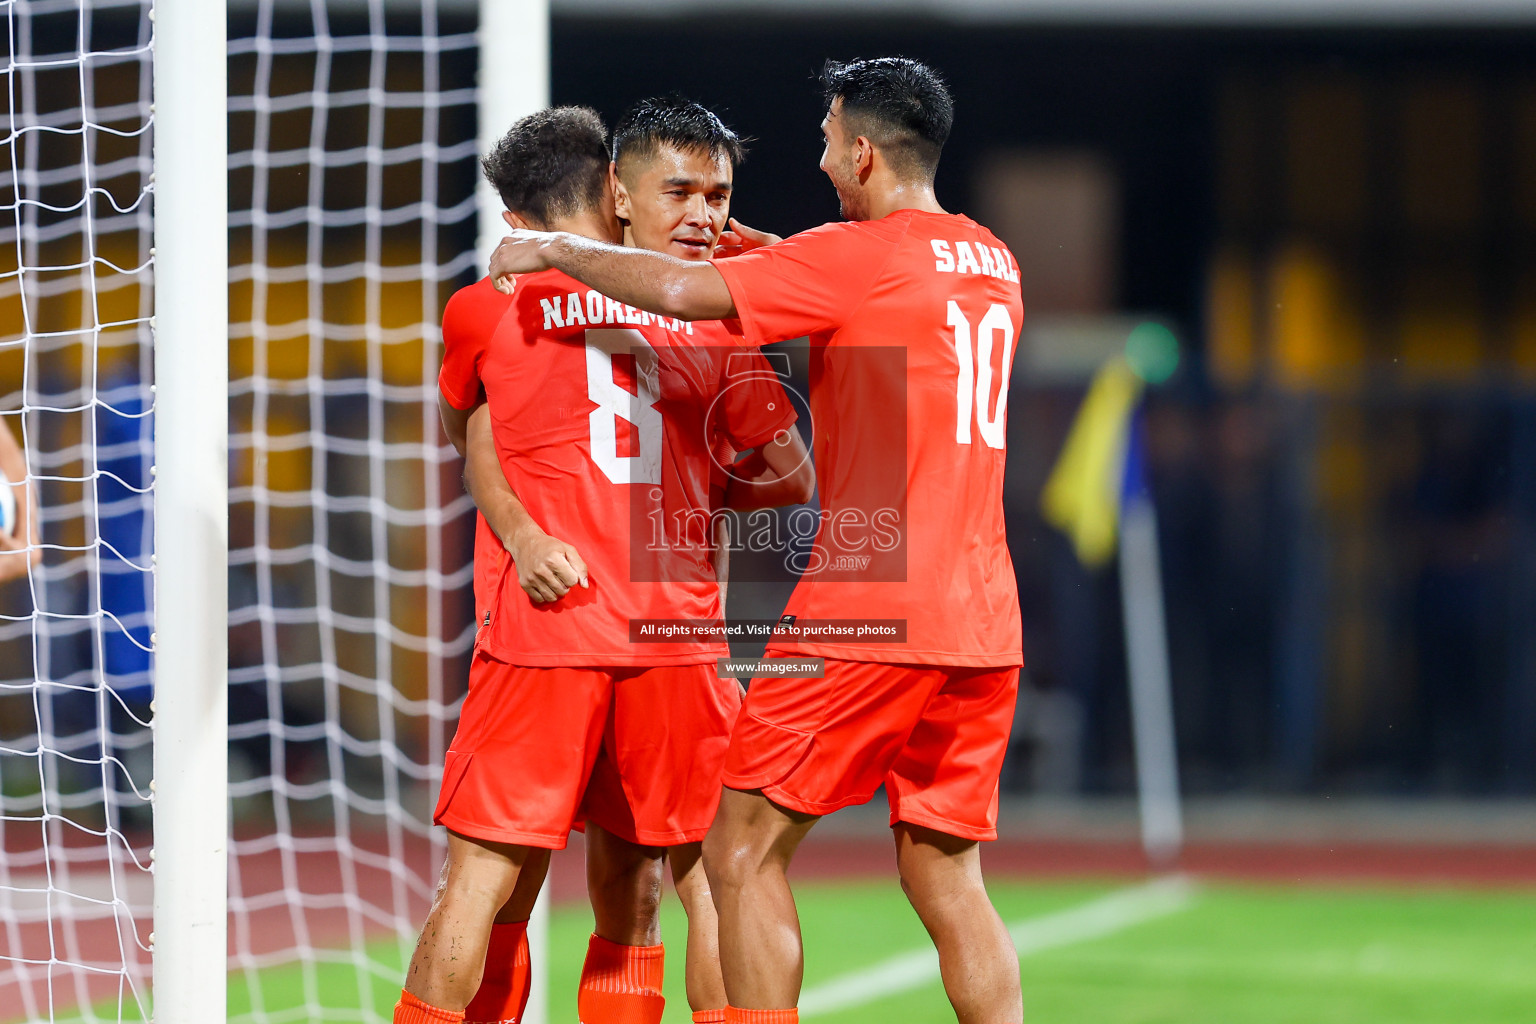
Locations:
(1333, 206)
(1340, 222)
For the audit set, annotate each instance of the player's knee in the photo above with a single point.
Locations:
(712, 854)
(940, 892)
(729, 860)
(919, 893)
(480, 877)
(629, 893)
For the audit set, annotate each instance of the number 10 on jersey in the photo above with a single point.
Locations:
(973, 385)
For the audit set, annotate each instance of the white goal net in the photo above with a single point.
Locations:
(352, 217)
(352, 156)
(75, 369)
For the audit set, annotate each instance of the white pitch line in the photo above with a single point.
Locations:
(1093, 920)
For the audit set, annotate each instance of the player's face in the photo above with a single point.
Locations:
(839, 159)
(677, 203)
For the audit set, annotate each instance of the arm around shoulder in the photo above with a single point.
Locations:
(652, 281)
(699, 292)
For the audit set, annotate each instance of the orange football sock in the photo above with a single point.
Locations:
(410, 1010)
(620, 984)
(503, 990)
(709, 1016)
(736, 1015)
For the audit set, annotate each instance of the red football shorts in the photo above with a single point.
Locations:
(644, 745)
(656, 781)
(934, 735)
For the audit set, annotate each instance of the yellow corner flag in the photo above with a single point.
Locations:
(1082, 495)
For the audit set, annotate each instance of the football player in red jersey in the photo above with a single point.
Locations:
(909, 309)
(646, 780)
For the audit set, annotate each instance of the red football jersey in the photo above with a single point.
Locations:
(913, 321)
(604, 422)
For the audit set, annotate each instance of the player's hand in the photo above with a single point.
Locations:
(547, 568)
(521, 252)
(740, 238)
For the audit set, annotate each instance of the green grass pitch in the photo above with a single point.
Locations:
(1236, 954)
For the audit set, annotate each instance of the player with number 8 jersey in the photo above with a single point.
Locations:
(600, 417)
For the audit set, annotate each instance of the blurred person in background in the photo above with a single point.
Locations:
(1459, 529)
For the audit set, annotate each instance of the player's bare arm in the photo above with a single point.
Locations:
(455, 422)
(777, 473)
(19, 548)
(547, 568)
(652, 281)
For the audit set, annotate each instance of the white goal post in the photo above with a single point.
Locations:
(191, 706)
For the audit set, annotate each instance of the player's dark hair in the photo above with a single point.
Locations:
(550, 164)
(676, 122)
(899, 104)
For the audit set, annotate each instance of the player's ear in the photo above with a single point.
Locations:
(515, 222)
(621, 201)
(863, 158)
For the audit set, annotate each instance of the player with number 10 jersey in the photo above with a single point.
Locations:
(912, 321)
